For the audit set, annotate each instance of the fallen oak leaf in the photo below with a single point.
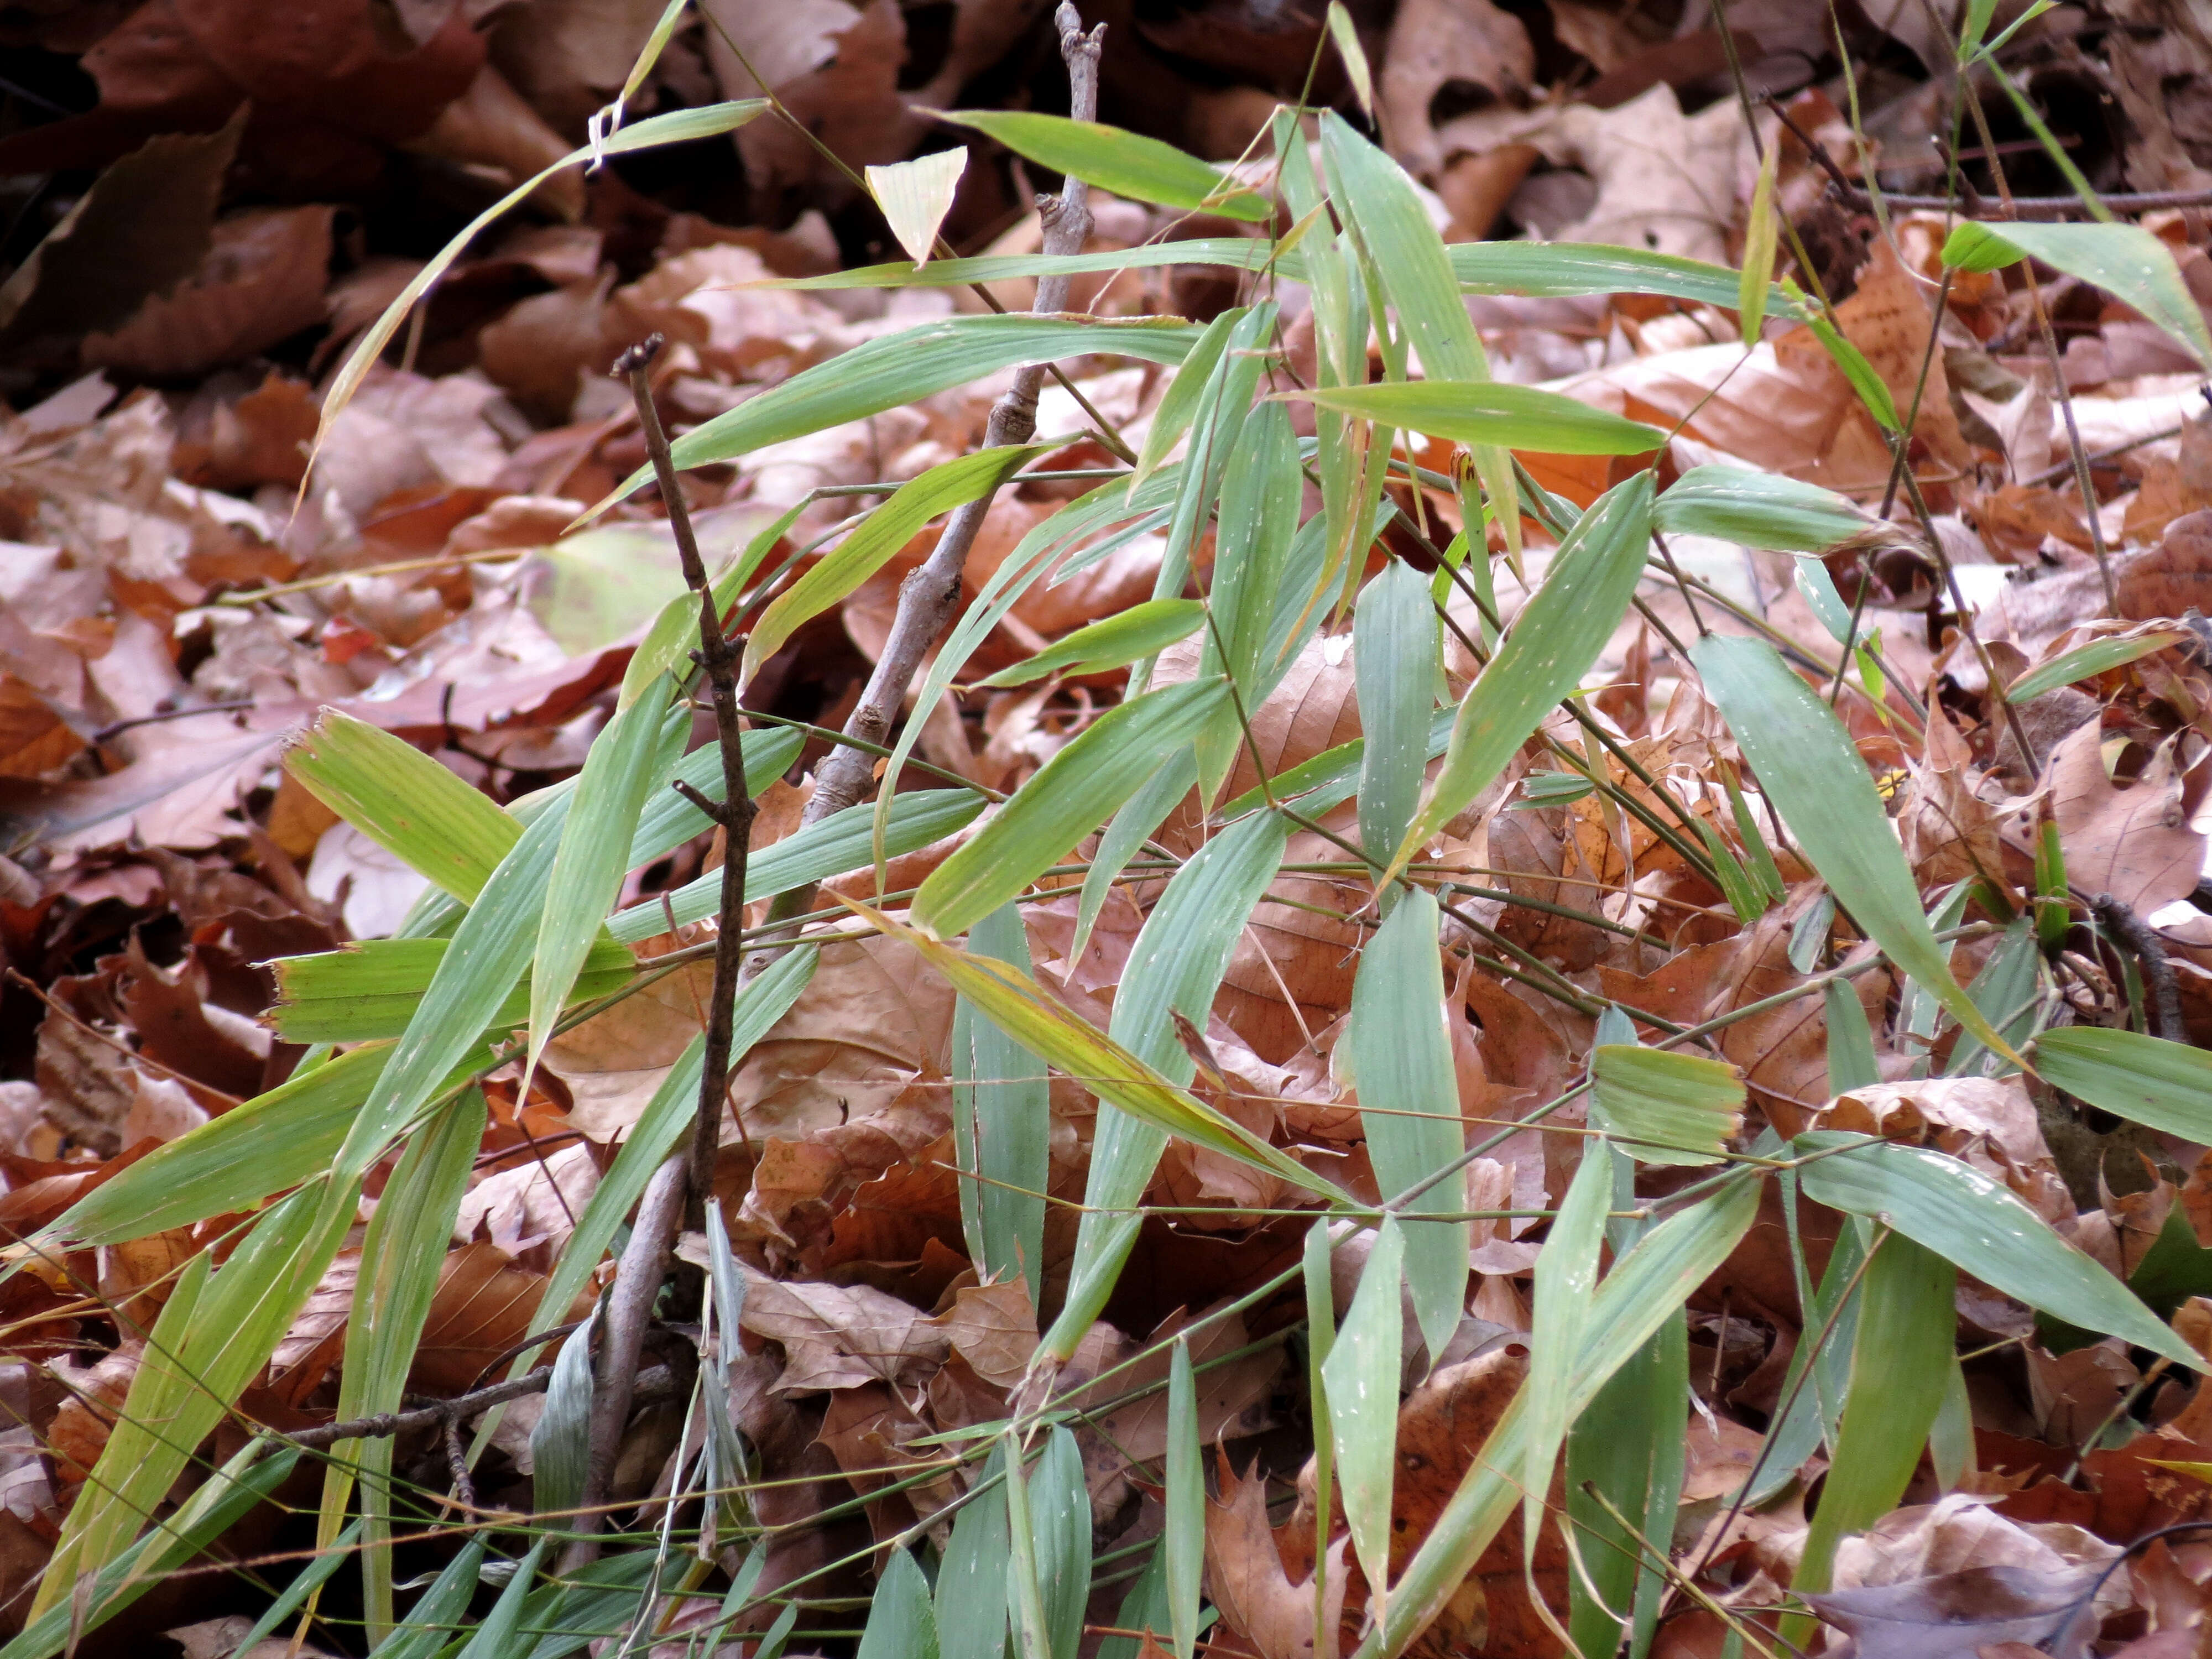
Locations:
(1963, 1613)
(1245, 1579)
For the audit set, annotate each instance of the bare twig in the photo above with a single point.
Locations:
(2037, 207)
(655, 1384)
(927, 596)
(2163, 990)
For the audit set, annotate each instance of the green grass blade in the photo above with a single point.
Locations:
(1401, 1064)
(840, 842)
(682, 126)
(901, 368)
(231, 1163)
(1175, 968)
(1757, 509)
(1477, 412)
(1551, 645)
(2149, 1080)
(249, 1480)
(1950, 1208)
(1001, 1124)
(880, 536)
(1183, 1541)
(1394, 653)
(1646, 1288)
(214, 1335)
(1566, 1278)
(1116, 641)
(637, 748)
(2128, 262)
(2098, 657)
(1667, 1108)
(1067, 798)
(1142, 169)
(1812, 772)
(401, 1255)
(1060, 1514)
(404, 801)
(1360, 1378)
(1900, 1363)
(971, 1579)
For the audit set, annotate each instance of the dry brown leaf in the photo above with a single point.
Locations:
(2133, 842)
(993, 1328)
(842, 1336)
(1246, 1580)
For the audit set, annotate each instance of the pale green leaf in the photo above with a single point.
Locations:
(1140, 168)
(900, 369)
(1066, 798)
(902, 1624)
(1179, 405)
(1812, 772)
(971, 1579)
(2085, 662)
(1400, 1052)
(1758, 238)
(1360, 1378)
(404, 801)
(360, 992)
(1559, 269)
(916, 195)
(1346, 38)
(1557, 636)
(1971, 1220)
(1394, 653)
(1476, 412)
(1566, 1278)
(2128, 262)
(1757, 509)
(879, 539)
(1183, 1541)
(1001, 1124)
(1667, 1108)
(1142, 630)
(2163, 1085)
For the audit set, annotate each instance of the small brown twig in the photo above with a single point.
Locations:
(655, 1384)
(2163, 989)
(928, 596)
(2035, 206)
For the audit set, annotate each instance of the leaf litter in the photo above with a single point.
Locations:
(206, 547)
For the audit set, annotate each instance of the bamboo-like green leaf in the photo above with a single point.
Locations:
(1400, 1052)
(2162, 1084)
(560, 1444)
(404, 801)
(638, 748)
(360, 993)
(840, 842)
(1812, 773)
(1144, 1610)
(401, 1257)
(1566, 1278)
(1628, 1446)
(1066, 798)
(1218, 420)
(1179, 403)
(1645, 1288)
(1851, 1063)
(971, 1580)
(2126, 261)
(1142, 169)
(1232, 252)
(1346, 38)
(916, 195)
(214, 1335)
(902, 1624)
(670, 820)
(1551, 645)
(1184, 1540)
(1899, 1363)
(1256, 530)
(2005, 991)
(1060, 1525)
(1758, 238)
(1132, 824)
(1394, 654)
(1744, 894)
(1871, 388)
(499, 1635)
(1360, 1378)
(682, 126)
(249, 1478)
(2085, 662)
(1950, 1208)
(900, 369)
(1018, 1006)
(1559, 269)
(1758, 509)
(1494, 412)
(1812, 580)
(1175, 968)
(1114, 641)
(1002, 1125)
(430, 1623)
(1667, 1108)
(231, 1163)
(881, 535)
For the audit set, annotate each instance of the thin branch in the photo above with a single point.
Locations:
(2164, 990)
(928, 598)
(655, 1384)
